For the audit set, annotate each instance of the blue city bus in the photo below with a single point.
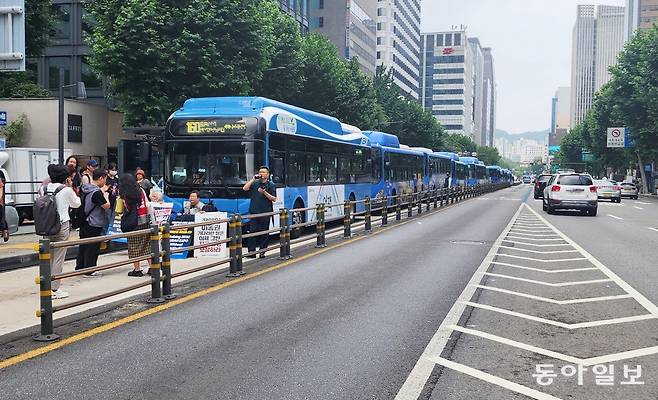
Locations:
(403, 168)
(438, 166)
(215, 145)
(495, 173)
(477, 172)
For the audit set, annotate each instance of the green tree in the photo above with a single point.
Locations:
(406, 118)
(157, 53)
(571, 147)
(284, 78)
(37, 27)
(489, 155)
(458, 143)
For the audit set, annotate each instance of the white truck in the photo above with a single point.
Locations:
(24, 168)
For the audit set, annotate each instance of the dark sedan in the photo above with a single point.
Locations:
(540, 184)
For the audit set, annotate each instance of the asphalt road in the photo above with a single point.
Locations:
(349, 323)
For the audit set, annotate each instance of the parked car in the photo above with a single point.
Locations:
(608, 190)
(540, 184)
(629, 189)
(526, 179)
(571, 191)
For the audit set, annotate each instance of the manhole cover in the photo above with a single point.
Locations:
(469, 242)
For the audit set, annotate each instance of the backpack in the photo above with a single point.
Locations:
(46, 217)
(78, 215)
(129, 219)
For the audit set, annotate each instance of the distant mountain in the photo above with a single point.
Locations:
(540, 136)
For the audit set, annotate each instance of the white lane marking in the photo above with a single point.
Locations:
(418, 376)
(532, 230)
(544, 261)
(653, 229)
(531, 235)
(609, 358)
(518, 345)
(537, 245)
(639, 208)
(509, 385)
(648, 305)
(643, 203)
(624, 355)
(615, 217)
(539, 252)
(590, 324)
(560, 284)
(553, 301)
(548, 271)
(527, 238)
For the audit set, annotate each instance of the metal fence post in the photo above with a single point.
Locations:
(166, 262)
(398, 208)
(441, 195)
(156, 289)
(44, 280)
(318, 225)
(420, 202)
(436, 198)
(233, 243)
(429, 200)
(288, 229)
(385, 211)
(238, 244)
(410, 205)
(368, 225)
(324, 225)
(282, 234)
(347, 219)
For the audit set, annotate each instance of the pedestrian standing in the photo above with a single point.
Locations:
(262, 192)
(95, 200)
(193, 206)
(65, 198)
(135, 200)
(446, 182)
(144, 183)
(72, 163)
(88, 173)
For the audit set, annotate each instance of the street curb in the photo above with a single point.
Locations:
(32, 260)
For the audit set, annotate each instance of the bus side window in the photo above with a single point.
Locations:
(277, 166)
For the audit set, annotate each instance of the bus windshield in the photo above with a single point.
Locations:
(226, 163)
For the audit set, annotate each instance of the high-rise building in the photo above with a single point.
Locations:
(560, 116)
(598, 38)
(298, 9)
(489, 98)
(351, 27)
(582, 62)
(398, 42)
(640, 14)
(609, 42)
(457, 84)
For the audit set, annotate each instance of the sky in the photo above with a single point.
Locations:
(531, 46)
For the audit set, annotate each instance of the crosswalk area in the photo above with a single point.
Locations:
(541, 318)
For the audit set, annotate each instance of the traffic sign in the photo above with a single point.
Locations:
(619, 137)
(3, 118)
(12, 39)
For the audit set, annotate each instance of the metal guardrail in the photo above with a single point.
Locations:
(160, 246)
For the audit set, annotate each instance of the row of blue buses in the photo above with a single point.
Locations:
(215, 145)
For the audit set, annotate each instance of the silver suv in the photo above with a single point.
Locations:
(571, 191)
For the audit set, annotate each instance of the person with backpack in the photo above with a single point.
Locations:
(137, 215)
(95, 200)
(53, 218)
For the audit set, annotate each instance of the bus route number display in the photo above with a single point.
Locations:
(215, 126)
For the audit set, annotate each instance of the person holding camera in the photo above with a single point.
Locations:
(262, 193)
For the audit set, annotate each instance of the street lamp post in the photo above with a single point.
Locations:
(82, 94)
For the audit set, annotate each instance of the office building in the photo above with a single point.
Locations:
(597, 40)
(457, 84)
(398, 42)
(609, 42)
(489, 98)
(298, 9)
(350, 25)
(640, 14)
(560, 116)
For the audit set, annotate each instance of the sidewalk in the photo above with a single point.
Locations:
(19, 297)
